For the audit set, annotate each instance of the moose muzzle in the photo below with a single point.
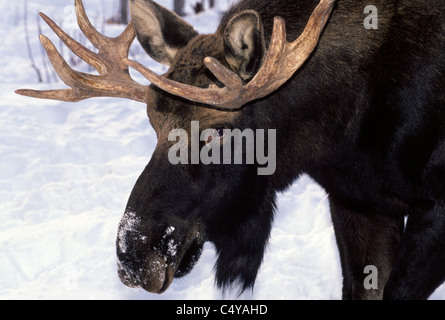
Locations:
(151, 256)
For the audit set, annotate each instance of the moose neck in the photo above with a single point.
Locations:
(310, 125)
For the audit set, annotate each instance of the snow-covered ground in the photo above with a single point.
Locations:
(66, 171)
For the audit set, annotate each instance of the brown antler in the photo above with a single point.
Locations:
(283, 59)
(114, 79)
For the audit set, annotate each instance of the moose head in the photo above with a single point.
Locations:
(221, 82)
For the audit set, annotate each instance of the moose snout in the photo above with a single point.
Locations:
(150, 256)
(140, 263)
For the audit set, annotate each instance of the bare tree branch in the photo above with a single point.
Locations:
(28, 44)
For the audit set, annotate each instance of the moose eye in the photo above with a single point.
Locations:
(216, 134)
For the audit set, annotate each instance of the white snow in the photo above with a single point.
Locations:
(67, 170)
(128, 224)
(172, 245)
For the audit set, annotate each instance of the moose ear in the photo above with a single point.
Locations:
(160, 31)
(244, 43)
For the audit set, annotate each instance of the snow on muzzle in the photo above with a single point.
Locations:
(151, 256)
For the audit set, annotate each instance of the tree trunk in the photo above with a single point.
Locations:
(179, 7)
(124, 11)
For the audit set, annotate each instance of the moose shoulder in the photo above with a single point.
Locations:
(360, 110)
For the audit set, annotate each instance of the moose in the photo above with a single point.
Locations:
(362, 111)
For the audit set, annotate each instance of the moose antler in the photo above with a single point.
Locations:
(114, 79)
(283, 59)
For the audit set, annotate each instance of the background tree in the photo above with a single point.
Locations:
(200, 7)
(123, 18)
(28, 44)
(179, 7)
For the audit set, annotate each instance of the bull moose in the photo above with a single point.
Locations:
(361, 110)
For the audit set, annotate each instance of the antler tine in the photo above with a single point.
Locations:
(67, 95)
(283, 59)
(98, 40)
(60, 66)
(316, 23)
(127, 37)
(107, 45)
(277, 49)
(123, 44)
(215, 97)
(85, 54)
(230, 79)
